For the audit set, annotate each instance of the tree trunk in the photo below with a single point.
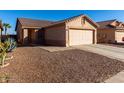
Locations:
(1, 37)
(5, 30)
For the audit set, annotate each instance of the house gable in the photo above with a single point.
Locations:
(82, 22)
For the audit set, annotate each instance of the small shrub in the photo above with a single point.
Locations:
(12, 44)
(5, 47)
(4, 78)
(3, 53)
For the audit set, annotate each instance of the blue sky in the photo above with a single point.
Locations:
(10, 17)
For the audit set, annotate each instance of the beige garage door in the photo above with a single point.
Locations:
(119, 36)
(78, 37)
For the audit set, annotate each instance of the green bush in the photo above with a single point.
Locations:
(3, 53)
(5, 47)
(12, 44)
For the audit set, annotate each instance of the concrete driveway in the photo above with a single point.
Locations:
(109, 51)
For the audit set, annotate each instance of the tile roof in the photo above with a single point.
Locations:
(71, 18)
(106, 24)
(41, 23)
(44, 23)
(111, 24)
(34, 23)
(64, 20)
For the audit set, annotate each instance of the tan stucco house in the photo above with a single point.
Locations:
(77, 30)
(110, 31)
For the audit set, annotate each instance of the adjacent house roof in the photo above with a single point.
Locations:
(111, 24)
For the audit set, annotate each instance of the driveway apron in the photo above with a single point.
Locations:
(109, 51)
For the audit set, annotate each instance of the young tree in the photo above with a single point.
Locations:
(1, 30)
(6, 26)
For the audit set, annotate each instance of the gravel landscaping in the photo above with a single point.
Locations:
(33, 64)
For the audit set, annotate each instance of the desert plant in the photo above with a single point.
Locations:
(1, 30)
(12, 44)
(4, 47)
(4, 78)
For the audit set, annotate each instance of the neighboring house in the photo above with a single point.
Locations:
(11, 36)
(110, 31)
(76, 30)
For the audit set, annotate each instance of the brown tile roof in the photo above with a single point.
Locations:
(107, 24)
(43, 23)
(71, 18)
(62, 21)
(33, 23)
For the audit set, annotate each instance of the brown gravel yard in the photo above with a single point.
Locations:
(33, 64)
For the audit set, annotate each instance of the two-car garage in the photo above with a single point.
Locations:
(81, 30)
(79, 37)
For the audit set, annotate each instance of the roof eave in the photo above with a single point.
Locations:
(95, 24)
(25, 27)
(53, 24)
(120, 28)
(17, 20)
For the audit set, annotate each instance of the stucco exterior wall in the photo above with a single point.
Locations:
(34, 35)
(19, 33)
(25, 36)
(75, 22)
(88, 25)
(30, 36)
(106, 35)
(81, 23)
(55, 35)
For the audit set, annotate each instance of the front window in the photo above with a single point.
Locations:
(83, 21)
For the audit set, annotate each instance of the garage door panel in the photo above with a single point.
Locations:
(119, 36)
(78, 37)
(87, 37)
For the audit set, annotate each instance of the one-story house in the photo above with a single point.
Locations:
(77, 30)
(110, 31)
